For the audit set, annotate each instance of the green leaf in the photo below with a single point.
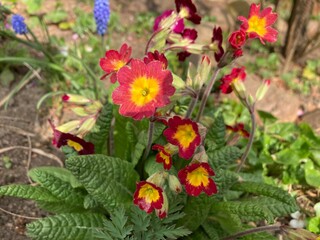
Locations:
(122, 145)
(314, 225)
(28, 192)
(69, 226)
(33, 6)
(224, 179)
(196, 210)
(100, 133)
(56, 16)
(61, 173)
(265, 190)
(249, 210)
(60, 207)
(224, 157)
(217, 132)
(111, 181)
(312, 174)
(59, 188)
(6, 77)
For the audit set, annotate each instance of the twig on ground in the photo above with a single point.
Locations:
(29, 158)
(17, 130)
(35, 150)
(18, 215)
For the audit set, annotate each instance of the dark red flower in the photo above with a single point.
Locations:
(177, 27)
(239, 128)
(216, 43)
(196, 178)
(66, 139)
(189, 35)
(156, 56)
(237, 53)
(237, 39)
(188, 10)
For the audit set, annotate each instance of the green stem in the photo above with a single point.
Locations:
(251, 138)
(150, 136)
(253, 230)
(192, 104)
(207, 93)
(150, 40)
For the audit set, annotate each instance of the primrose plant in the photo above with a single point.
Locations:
(152, 161)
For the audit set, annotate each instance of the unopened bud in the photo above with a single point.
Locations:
(239, 88)
(163, 212)
(201, 156)
(73, 98)
(158, 178)
(262, 90)
(86, 126)
(69, 126)
(174, 184)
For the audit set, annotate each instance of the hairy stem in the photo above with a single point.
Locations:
(253, 230)
(150, 40)
(207, 93)
(251, 138)
(193, 103)
(150, 136)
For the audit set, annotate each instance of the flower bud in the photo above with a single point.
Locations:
(73, 98)
(86, 126)
(201, 156)
(262, 90)
(174, 184)
(237, 39)
(158, 178)
(163, 212)
(69, 126)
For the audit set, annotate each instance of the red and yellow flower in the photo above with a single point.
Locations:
(148, 196)
(239, 128)
(114, 61)
(143, 88)
(258, 24)
(227, 82)
(183, 133)
(163, 156)
(66, 139)
(197, 178)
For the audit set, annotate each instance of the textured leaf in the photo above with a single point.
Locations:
(61, 173)
(69, 226)
(224, 157)
(28, 192)
(213, 230)
(217, 132)
(99, 135)
(265, 190)
(111, 181)
(196, 210)
(251, 211)
(224, 179)
(121, 140)
(60, 207)
(59, 188)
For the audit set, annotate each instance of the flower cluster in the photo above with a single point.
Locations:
(18, 24)
(101, 13)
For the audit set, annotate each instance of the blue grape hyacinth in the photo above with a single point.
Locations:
(18, 24)
(101, 13)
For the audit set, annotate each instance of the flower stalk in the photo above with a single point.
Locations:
(150, 136)
(254, 230)
(251, 110)
(207, 93)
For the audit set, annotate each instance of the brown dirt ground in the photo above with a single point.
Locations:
(21, 119)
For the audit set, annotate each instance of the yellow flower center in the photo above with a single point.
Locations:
(185, 135)
(149, 193)
(165, 157)
(198, 176)
(257, 25)
(184, 12)
(117, 64)
(75, 145)
(144, 90)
